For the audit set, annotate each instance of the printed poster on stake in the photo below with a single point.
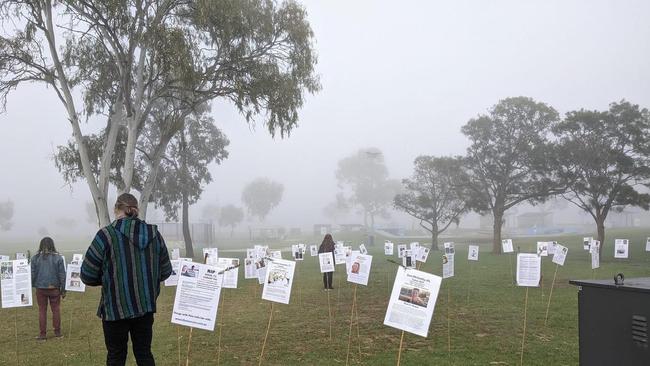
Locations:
(279, 278)
(197, 296)
(176, 253)
(313, 250)
(16, 283)
(412, 301)
(551, 247)
(647, 244)
(423, 254)
(326, 261)
(212, 256)
(4, 258)
(472, 254)
(360, 269)
(21, 255)
(407, 259)
(447, 265)
(176, 270)
(621, 247)
(73, 279)
(415, 247)
(595, 259)
(77, 259)
(400, 250)
(231, 277)
(362, 249)
(348, 260)
(594, 246)
(586, 241)
(506, 246)
(339, 255)
(560, 254)
(542, 249)
(276, 254)
(529, 266)
(449, 248)
(388, 248)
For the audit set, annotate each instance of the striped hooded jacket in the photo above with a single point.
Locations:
(129, 259)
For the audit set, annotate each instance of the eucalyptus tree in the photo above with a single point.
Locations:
(262, 195)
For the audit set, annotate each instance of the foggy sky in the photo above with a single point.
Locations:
(400, 76)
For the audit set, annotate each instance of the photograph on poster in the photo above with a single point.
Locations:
(586, 241)
(360, 269)
(326, 261)
(447, 265)
(16, 283)
(449, 248)
(472, 254)
(73, 279)
(621, 247)
(313, 249)
(506, 246)
(388, 248)
(348, 260)
(279, 278)
(542, 248)
(407, 258)
(400, 250)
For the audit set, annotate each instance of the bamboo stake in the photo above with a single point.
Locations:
(220, 328)
(347, 357)
(399, 353)
(523, 336)
(329, 308)
(16, 334)
(178, 339)
(356, 310)
(548, 306)
(266, 336)
(189, 348)
(449, 320)
(469, 283)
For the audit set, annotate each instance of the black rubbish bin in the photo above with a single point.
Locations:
(613, 322)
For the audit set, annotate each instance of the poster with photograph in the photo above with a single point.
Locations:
(296, 252)
(176, 253)
(412, 301)
(279, 278)
(449, 248)
(339, 255)
(260, 267)
(211, 256)
(542, 249)
(231, 274)
(560, 253)
(250, 271)
(388, 248)
(16, 283)
(529, 266)
(276, 254)
(552, 245)
(362, 249)
(595, 259)
(448, 265)
(360, 268)
(621, 247)
(326, 261)
(197, 296)
(415, 247)
(400, 250)
(176, 270)
(594, 246)
(21, 255)
(77, 259)
(585, 242)
(313, 250)
(472, 253)
(73, 279)
(506, 246)
(423, 254)
(407, 259)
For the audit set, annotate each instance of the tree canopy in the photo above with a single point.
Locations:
(262, 195)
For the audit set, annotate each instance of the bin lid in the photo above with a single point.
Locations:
(640, 284)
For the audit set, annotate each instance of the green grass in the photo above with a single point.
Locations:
(484, 330)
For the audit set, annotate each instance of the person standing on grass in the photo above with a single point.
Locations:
(128, 259)
(327, 246)
(48, 276)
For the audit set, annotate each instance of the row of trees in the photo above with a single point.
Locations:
(522, 151)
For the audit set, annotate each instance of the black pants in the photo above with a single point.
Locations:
(327, 279)
(116, 337)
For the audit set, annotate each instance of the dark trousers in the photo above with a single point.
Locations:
(327, 279)
(53, 296)
(116, 337)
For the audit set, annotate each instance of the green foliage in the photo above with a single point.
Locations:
(6, 214)
(230, 215)
(262, 195)
(605, 158)
(435, 193)
(364, 177)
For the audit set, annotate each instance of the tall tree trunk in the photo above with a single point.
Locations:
(600, 226)
(496, 233)
(129, 155)
(434, 236)
(187, 237)
(150, 182)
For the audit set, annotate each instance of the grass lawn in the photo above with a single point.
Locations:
(485, 314)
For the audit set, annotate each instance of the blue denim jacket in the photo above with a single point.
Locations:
(48, 271)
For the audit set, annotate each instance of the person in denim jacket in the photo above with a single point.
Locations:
(48, 276)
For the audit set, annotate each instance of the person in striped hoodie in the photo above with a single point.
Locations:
(128, 259)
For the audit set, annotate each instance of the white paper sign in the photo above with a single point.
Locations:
(594, 246)
(542, 248)
(552, 245)
(506, 246)
(560, 253)
(647, 244)
(339, 255)
(197, 296)
(211, 256)
(586, 241)
(388, 248)
(73, 279)
(407, 258)
(362, 249)
(529, 266)
(595, 259)
(326, 261)
(298, 252)
(176, 270)
(276, 254)
(230, 276)
(472, 254)
(423, 254)
(449, 248)
(279, 278)
(360, 269)
(621, 247)
(400, 250)
(414, 246)
(412, 301)
(313, 250)
(4, 258)
(448, 265)
(77, 259)
(176, 253)
(16, 283)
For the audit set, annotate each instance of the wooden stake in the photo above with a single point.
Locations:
(469, 284)
(189, 348)
(523, 336)
(220, 328)
(449, 320)
(178, 339)
(356, 310)
(266, 336)
(512, 277)
(354, 298)
(16, 334)
(399, 353)
(329, 309)
(548, 306)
